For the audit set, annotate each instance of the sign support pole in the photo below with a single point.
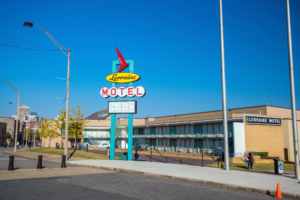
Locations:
(113, 120)
(130, 118)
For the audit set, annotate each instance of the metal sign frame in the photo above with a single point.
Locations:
(113, 117)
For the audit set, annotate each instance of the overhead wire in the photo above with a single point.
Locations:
(29, 48)
(20, 43)
(26, 41)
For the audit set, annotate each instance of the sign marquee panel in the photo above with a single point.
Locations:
(122, 107)
(139, 91)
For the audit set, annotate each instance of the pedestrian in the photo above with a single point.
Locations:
(29, 143)
(136, 155)
(251, 160)
(18, 145)
(108, 151)
(82, 147)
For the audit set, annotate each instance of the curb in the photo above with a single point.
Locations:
(248, 189)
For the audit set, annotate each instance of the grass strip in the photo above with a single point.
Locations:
(77, 153)
(257, 166)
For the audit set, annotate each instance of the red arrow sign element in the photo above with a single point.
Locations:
(122, 61)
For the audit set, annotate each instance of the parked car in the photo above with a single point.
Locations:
(105, 145)
(38, 144)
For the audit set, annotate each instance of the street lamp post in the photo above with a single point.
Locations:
(17, 120)
(224, 102)
(68, 54)
(292, 88)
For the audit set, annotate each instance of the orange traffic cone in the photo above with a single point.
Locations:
(278, 192)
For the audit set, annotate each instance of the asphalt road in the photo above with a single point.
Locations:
(21, 163)
(117, 186)
(112, 185)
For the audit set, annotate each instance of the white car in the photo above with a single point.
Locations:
(105, 145)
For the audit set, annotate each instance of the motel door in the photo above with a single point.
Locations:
(174, 145)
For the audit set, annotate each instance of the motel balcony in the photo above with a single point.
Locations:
(189, 135)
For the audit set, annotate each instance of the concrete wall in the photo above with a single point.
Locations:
(10, 124)
(288, 138)
(239, 138)
(281, 112)
(60, 140)
(265, 138)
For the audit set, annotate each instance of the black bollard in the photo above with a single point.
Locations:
(40, 163)
(87, 147)
(63, 162)
(11, 163)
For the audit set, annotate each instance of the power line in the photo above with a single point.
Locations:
(20, 43)
(29, 48)
(26, 41)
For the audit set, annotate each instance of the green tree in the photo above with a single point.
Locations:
(52, 133)
(77, 122)
(48, 130)
(180, 162)
(60, 123)
(8, 135)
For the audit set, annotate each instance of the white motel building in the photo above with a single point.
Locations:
(259, 128)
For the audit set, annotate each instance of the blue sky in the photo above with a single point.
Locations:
(175, 46)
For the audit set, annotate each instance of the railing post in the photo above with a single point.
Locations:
(202, 157)
(40, 165)
(11, 163)
(151, 156)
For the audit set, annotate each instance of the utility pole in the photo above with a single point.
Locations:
(67, 106)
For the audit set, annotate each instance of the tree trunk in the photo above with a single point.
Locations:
(49, 141)
(26, 139)
(34, 138)
(75, 137)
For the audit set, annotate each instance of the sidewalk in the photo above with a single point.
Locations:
(46, 156)
(255, 182)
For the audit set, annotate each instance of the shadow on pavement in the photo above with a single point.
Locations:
(71, 154)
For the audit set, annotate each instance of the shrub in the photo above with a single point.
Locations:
(222, 165)
(180, 162)
(263, 153)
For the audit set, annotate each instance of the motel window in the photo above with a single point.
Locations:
(181, 130)
(178, 130)
(209, 129)
(165, 130)
(191, 129)
(140, 131)
(187, 129)
(204, 128)
(216, 128)
(148, 131)
(221, 129)
(160, 131)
